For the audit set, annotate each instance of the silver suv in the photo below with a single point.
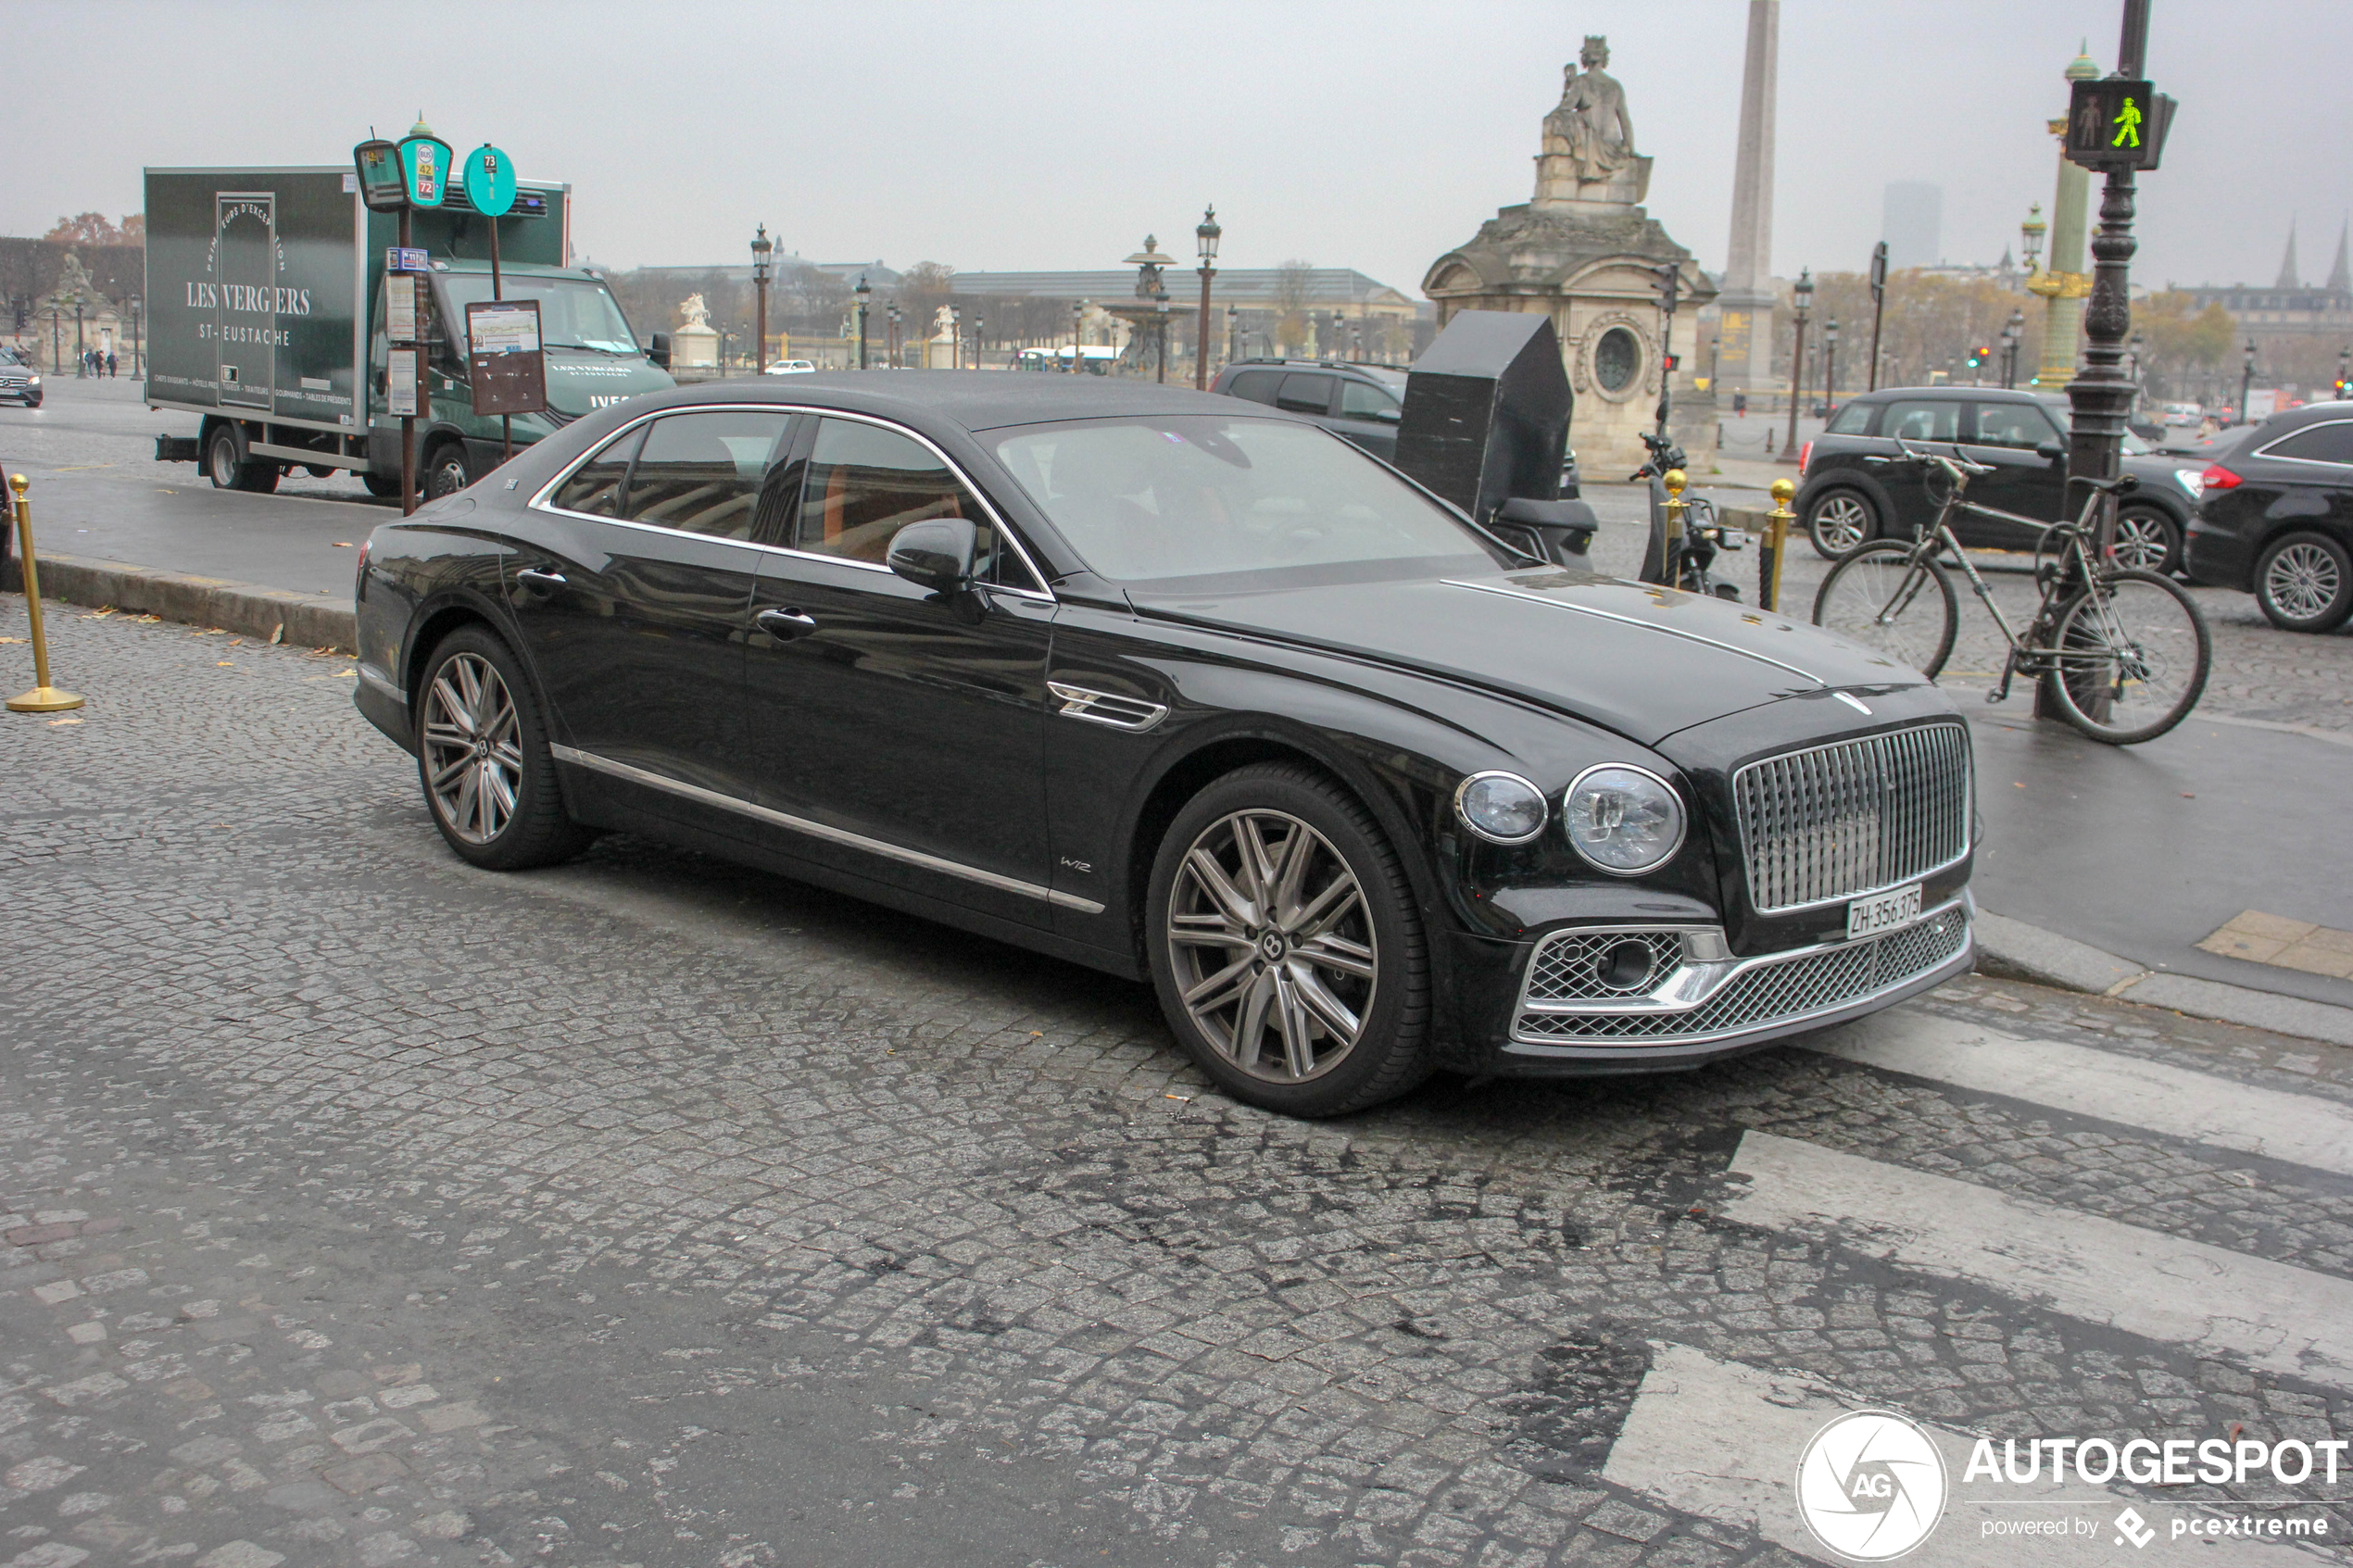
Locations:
(18, 380)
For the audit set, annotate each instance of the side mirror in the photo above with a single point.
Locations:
(659, 351)
(2051, 451)
(1390, 415)
(935, 554)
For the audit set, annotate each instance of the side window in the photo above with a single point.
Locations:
(595, 485)
(705, 473)
(1364, 401)
(2010, 424)
(1853, 419)
(1922, 421)
(2331, 443)
(1305, 395)
(1256, 385)
(865, 484)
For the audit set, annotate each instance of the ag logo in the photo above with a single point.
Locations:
(1870, 1486)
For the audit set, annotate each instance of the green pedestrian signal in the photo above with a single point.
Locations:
(2119, 123)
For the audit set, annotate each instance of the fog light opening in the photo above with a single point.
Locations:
(1624, 966)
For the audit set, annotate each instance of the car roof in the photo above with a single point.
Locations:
(974, 399)
(1939, 393)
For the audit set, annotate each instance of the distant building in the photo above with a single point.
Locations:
(2289, 307)
(1913, 223)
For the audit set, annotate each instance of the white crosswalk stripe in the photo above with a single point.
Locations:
(2156, 1096)
(1722, 1441)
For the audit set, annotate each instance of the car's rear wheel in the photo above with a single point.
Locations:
(482, 759)
(2147, 539)
(1285, 945)
(228, 468)
(2304, 582)
(1839, 520)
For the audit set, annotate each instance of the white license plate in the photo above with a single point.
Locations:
(1882, 912)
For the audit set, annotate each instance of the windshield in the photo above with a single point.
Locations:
(573, 312)
(1201, 495)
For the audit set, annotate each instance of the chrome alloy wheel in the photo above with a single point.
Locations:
(1841, 523)
(2143, 540)
(1272, 946)
(474, 760)
(2302, 580)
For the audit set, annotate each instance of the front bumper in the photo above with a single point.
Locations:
(1698, 1004)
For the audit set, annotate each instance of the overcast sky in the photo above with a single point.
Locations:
(1041, 133)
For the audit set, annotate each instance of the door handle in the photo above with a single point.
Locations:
(539, 581)
(784, 624)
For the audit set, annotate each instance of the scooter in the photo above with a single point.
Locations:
(1685, 535)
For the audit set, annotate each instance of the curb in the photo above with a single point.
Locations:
(305, 621)
(2011, 950)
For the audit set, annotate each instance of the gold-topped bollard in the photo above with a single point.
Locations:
(1768, 559)
(43, 697)
(1674, 481)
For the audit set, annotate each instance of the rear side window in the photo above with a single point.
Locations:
(1921, 420)
(2331, 443)
(707, 472)
(595, 485)
(1305, 395)
(1257, 386)
(1853, 419)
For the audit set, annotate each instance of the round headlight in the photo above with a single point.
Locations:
(1621, 819)
(1502, 807)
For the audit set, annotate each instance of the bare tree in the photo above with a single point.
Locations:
(1292, 287)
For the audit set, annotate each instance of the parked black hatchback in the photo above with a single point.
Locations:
(2276, 519)
(1855, 486)
(1363, 403)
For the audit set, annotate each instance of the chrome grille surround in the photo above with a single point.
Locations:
(1700, 1002)
(1854, 817)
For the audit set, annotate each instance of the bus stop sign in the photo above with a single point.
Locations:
(2117, 124)
(490, 181)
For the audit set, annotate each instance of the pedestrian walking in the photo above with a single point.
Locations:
(112, 364)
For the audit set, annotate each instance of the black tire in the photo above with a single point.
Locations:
(1863, 585)
(223, 461)
(384, 486)
(2136, 694)
(530, 828)
(2304, 582)
(2148, 539)
(447, 471)
(1291, 983)
(1839, 520)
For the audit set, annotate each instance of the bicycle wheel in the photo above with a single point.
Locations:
(1881, 598)
(2132, 656)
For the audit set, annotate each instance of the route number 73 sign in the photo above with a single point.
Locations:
(2117, 124)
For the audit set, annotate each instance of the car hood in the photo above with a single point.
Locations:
(1643, 661)
(581, 382)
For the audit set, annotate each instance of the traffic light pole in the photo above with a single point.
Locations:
(2101, 394)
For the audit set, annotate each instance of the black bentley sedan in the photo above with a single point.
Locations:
(1179, 688)
(1854, 485)
(2276, 518)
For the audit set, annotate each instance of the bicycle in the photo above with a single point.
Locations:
(2124, 650)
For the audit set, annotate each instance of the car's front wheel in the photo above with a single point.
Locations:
(450, 471)
(1285, 944)
(1839, 520)
(482, 757)
(2304, 582)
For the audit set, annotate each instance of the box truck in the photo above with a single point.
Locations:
(266, 316)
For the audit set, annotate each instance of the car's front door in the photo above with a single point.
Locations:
(900, 730)
(632, 589)
(2009, 438)
(1922, 423)
(1369, 417)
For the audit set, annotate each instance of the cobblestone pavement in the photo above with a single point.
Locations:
(2260, 672)
(360, 1208)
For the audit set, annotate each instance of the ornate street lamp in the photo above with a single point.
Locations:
(1160, 333)
(2140, 343)
(1830, 368)
(2031, 231)
(761, 247)
(1078, 336)
(2013, 338)
(137, 341)
(864, 296)
(1233, 332)
(956, 336)
(980, 326)
(1803, 294)
(1205, 238)
(894, 339)
(2246, 383)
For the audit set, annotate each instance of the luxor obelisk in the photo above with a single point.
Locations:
(1744, 356)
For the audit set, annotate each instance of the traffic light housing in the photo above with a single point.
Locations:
(2118, 123)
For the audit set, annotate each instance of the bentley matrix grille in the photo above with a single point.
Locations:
(1813, 980)
(1840, 819)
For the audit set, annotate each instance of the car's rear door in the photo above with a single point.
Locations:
(2007, 437)
(631, 584)
(900, 731)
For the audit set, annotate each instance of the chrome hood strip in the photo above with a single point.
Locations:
(1631, 620)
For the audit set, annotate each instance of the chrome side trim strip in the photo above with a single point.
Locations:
(383, 682)
(1631, 620)
(596, 764)
(1130, 713)
(541, 500)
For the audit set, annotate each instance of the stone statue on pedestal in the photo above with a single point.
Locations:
(1589, 138)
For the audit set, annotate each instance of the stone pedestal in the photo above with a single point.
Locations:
(694, 347)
